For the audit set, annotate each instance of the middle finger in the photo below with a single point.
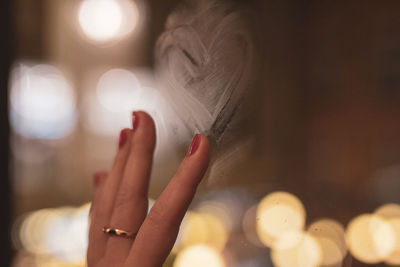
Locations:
(130, 206)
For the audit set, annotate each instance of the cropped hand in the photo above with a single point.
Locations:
(121, 233)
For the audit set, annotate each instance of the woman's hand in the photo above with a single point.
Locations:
(121, 201)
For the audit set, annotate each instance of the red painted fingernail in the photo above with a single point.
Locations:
(97, 177)
(194, 145)
(123, 137)
(135, 120)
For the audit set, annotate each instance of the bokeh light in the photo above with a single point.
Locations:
(43, 104)
(388, 211)
(394, 257)
(249, 224)
(104, 20)
(199, 256)
(391, 212)
(24, 259)
(118, 90)
(202, 228)
(72, 244)
(277, 213)
(53, 237)
(116, 93)
(296, 249)
(57, 233)
(33, 230)
(330, 235)
(370, 238)
(217, 209)
(52, 262)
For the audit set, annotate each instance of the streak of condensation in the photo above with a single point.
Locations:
(278, 213)
(205, 62)
(296, 249)
(391, 212)
(330, 235)
(370, 238)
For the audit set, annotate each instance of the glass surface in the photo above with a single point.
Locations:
(299, 99)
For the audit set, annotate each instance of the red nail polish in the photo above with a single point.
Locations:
(194, 145)
(135, 120)
(97, 177)
(123, 137)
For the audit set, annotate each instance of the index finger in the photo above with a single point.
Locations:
(158, 232)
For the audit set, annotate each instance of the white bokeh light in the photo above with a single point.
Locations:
(391, 213)
(118, 92)
(330, 235)
(43, 104)
(370, 238)
(278, 213)
(203, 228)
(60, 233)
(296, 249)
(104, 20)
(199, 256)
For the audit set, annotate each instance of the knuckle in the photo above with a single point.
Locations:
(121, 200)
(125, 197)
(157, 215)
(128, 199)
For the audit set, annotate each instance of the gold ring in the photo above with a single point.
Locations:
(118, 232)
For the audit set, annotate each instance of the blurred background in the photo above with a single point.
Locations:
(311, 176)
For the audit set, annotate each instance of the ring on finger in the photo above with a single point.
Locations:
(118, 232)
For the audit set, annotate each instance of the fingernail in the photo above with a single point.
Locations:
(194, 145)
(123, 137)
(135, 120)
(97, 177)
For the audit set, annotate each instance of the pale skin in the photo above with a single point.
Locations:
(121, 200)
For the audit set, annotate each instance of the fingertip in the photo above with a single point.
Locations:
(197, 160)
(205, 144)
(200, 145)
(99, 177)
(205, 151)
(144, 130)
(123, 137)
(142, 117)
(194, 145)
